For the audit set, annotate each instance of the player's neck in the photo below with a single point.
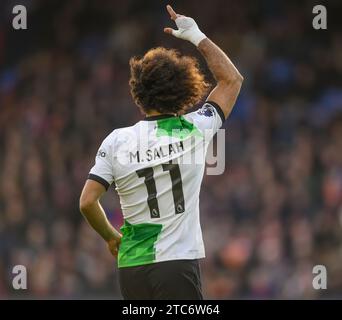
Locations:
(153, 113)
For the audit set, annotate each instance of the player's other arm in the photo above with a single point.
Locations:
(228, 78)
(94, 214)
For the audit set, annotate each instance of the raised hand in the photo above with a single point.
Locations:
(187, 28)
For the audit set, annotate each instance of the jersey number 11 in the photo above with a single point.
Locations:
(177, 188)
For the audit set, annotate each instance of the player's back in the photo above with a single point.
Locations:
(158, 166)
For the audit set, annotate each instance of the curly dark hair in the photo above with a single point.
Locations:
(164, 81)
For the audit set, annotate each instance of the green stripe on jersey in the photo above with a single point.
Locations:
(177, 127)
(138, 244)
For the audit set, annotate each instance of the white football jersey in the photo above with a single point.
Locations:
(157, 166)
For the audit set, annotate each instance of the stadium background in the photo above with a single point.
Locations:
(273, 215)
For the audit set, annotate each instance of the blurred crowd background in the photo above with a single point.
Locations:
(275, 212)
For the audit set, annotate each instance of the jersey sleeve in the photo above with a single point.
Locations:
(209, 117)
(102, 171)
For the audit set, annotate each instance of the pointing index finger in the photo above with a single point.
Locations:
(172, 13)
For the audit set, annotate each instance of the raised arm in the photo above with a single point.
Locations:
(228, 78)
